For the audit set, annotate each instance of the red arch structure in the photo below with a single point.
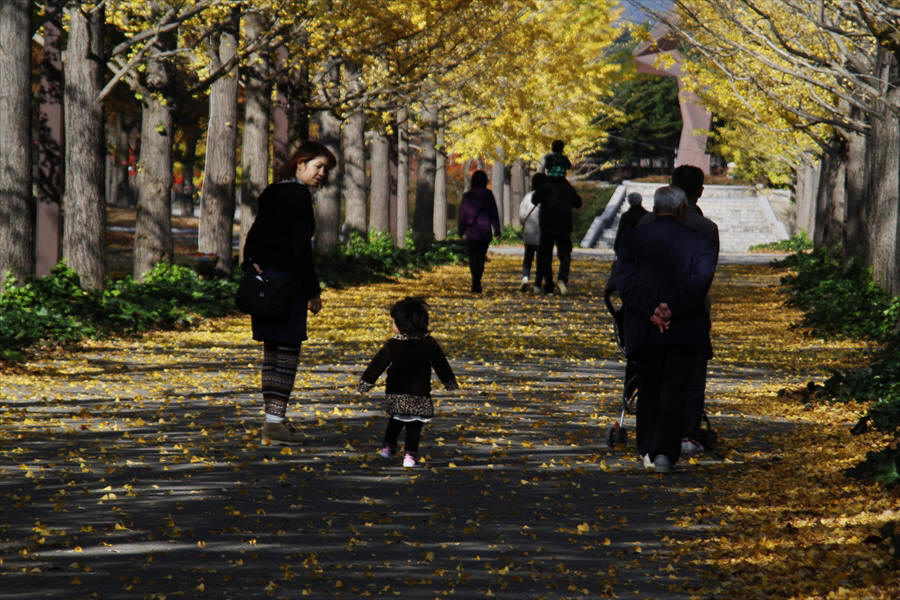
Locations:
(660, 56)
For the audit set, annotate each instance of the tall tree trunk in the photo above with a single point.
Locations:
(255, 137)
(188, 167)
(402, 177)
(17, 208)
(354, 138)
(328, 201)
(883, 216)
(517, 186)
(440, 189)
(153, 223)
(855, 240)
(498, 179)
(423, 215)
(116, 160)
(380, 186)
(829, 196)
(217, 194)
(85, 148)
(50, 159)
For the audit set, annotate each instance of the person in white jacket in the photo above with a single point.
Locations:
(531, 232)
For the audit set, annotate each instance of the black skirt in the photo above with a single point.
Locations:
(289, 330)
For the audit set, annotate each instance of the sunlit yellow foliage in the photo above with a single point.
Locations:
(774, 104)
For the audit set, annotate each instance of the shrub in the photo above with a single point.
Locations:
(55, 309)
(374, 257)
(797, 243)
(839, 301)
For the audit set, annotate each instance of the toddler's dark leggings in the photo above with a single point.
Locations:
(413, 433)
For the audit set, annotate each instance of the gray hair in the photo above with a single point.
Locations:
(634, 199)
(668, 199)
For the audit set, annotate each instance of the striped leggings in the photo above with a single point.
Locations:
(279, 367)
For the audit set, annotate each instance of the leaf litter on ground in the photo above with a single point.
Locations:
(133, 467)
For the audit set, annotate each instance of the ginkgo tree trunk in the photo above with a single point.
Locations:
(423, 215)
(84, 198)
(153, 223)
(217, 194)
(380, 182)
(255, 133)
(353, 134)
(402, 223)
(17, 208)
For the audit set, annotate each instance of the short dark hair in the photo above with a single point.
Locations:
(479, 179)
(307, 151)
(537, 180)
(411, 315)
(557, 145)
(690, 179)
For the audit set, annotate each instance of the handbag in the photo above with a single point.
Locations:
(260, 295)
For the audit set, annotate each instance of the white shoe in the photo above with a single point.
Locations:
(524, 286)
(689, 447)
(563, 290)
(645, 459)
(409, 460)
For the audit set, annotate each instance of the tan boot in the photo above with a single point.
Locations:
(281, 434)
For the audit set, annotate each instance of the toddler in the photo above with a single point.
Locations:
(409, 356)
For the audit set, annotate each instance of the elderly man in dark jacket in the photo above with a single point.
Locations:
(556, 198)
(663, 273)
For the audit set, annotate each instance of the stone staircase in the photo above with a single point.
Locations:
(745, 216)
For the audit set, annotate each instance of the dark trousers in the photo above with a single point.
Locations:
(413, 434)
(663, 375)
(477, 255)
(563, 245)
(527, 260)
(694, 402)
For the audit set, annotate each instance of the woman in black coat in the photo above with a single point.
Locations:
(279, 244)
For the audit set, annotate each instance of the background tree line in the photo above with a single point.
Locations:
(384, 84)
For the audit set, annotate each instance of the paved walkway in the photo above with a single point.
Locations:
(132, 469)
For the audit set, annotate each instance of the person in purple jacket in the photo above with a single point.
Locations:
(477, 217)
(663, 273)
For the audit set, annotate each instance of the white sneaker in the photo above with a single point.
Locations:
(524, 286)
(537, 289)
(690, 447)
(409, 460)
(563, 290)
(645, 459)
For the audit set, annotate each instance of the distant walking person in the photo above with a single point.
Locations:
(477, 217)
(663, 274)
(529, 215)
(555, 162)
(557, 198)
(630, 218)
(279, 244)
(409, 357)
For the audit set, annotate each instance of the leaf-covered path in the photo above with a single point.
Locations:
(133, 469)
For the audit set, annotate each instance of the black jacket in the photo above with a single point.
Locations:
(409, 361)
(557, 198)
(665, 261)
(281, 236)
